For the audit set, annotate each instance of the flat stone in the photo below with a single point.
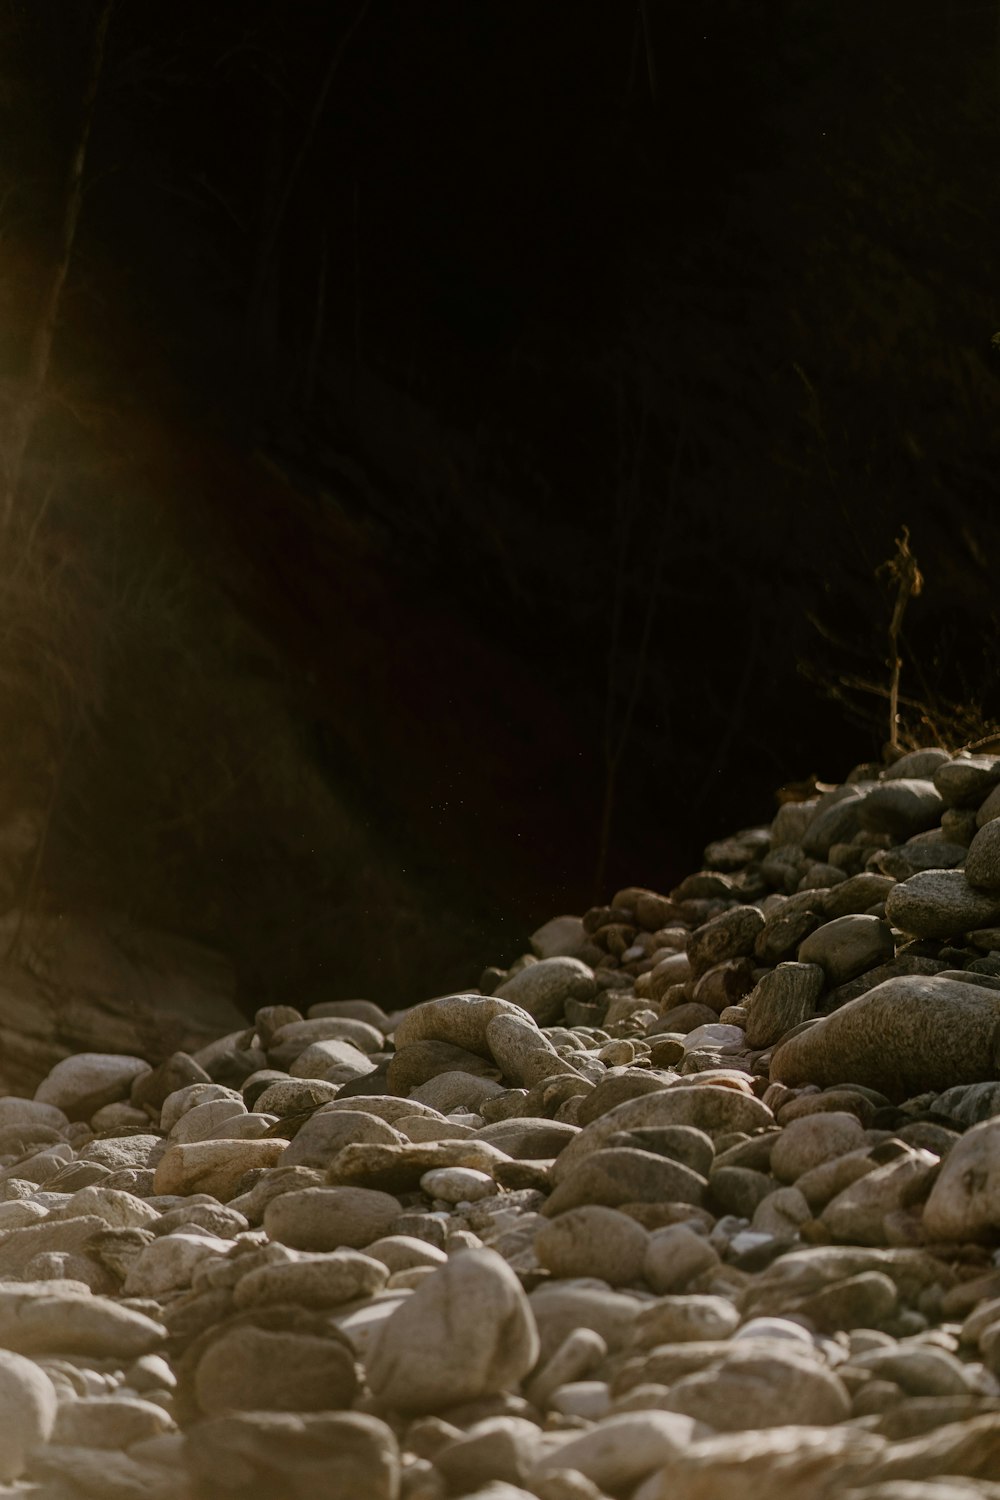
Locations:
(918, 856)
(109, 1422)
(38, 1317)
(290, 1040)
(290, 1096)
(498, 1450)
(327, 1218)
(621, 1449)
(204, 1120)
(529, 1138)
(751, 1389)
(339, 1455)
(691, 1318)
(315, 1280)
(401, 1252)
(707, 1107)
(681, 1143)
(789, 1461)
(398, 1169)
(325, 1133)
(847, 946)
(857, 893)
(964, 1203)
(459, 1019)
(80, 1085)
(863, 1301)
(783, 998)
(332, 1057)
(940, 904)
(593, 1241)
(561, 1307)
(932, 1033)
(416, 1364)
(543, 989)
(215, 1167)
(624, 1175)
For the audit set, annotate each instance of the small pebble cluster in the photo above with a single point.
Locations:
(700, 1199)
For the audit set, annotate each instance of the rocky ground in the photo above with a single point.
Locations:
(700, 1199)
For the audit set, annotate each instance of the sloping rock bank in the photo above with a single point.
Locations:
(700, 1199)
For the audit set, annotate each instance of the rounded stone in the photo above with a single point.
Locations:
(543, 989)
(524, 1055)
(82, 1084)
(458, 1184)
(967, 780)
(982, 863)
(593, 1241)
(466, 1331)
(316, 1281)
(940, 904)
(907, 1036)
(902, 807)
(964, 1203)
(28, 1402)
(807, 1142)
(260, 1369)
(674, 1256)
(847, 946)
(325, 1133)
(326, 1218)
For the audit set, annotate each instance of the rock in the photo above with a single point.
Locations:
(339, 1455)
(902, 806)
(681, 1143)
(805, 1143)
(690, 1318)
(593, 1241)
(783, 998)
(622, 1449)
(932, 1033)
(797, 1463)
(109, 1422)
(624, 1175)
(857, 1214)
(966, 781)
(170, 1262)
(544, 988)
(752, 1388)
(561, 1307)
(969, 1103)
(835, 820)
(246, 1368)
(459, 1019)
(316, 1281)
(707, 1107)
(674, 1256)
(847, 946)
(561, 937)
(857, 894)
(523, 1053)
(784, 930)
(80, 1085)
(28, 1403)
(982, 863)
(398, 1169)
(215, 1167)
(458, 1185)
(732, 934)
(579, 1353)
(964, 1203)
(327, 1218)
(290, 1096)
(920, 763)
(325, 1133)
(940, 904)
(499, 1450)
(41, 1316)
(416, 1364)
(415, 1064)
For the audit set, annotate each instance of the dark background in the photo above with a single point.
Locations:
(473, 432)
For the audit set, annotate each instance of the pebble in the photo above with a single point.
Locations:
(414, 1364)
(585, 1235)
(28, 1403)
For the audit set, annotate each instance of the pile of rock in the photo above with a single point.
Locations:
(699, 1199)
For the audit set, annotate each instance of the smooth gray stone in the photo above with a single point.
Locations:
(982, 863)
(907, 1036)
(967, 780)
(784, 998)
(731, 934)
(847, 946)
(940, 904)
(902, 807)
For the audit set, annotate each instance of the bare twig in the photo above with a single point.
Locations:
(902, 569)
